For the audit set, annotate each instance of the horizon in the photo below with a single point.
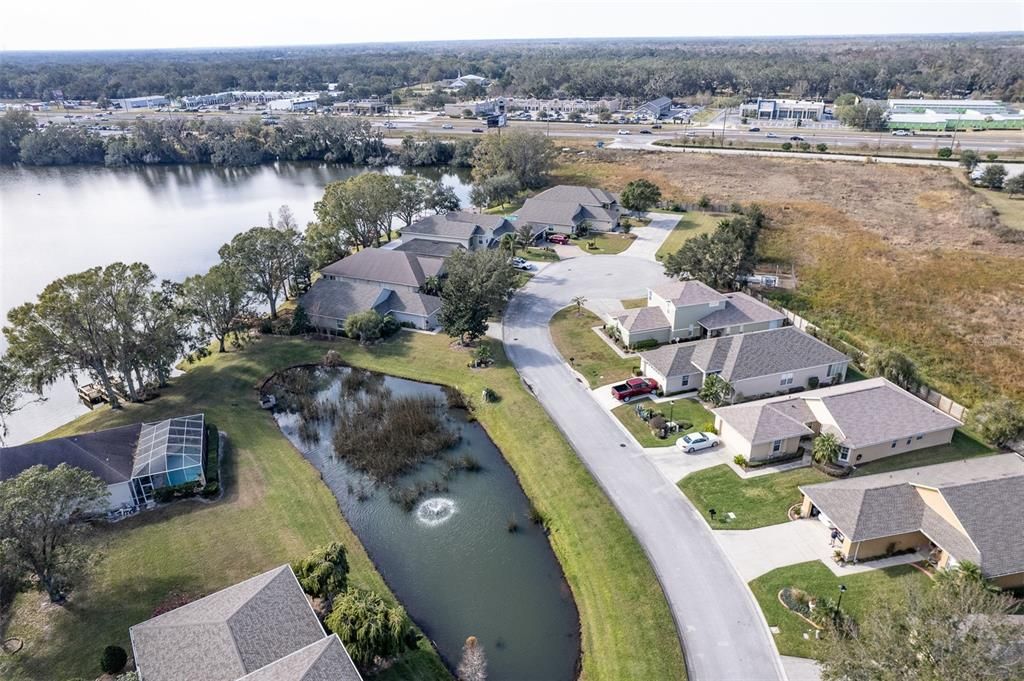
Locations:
(195, 25)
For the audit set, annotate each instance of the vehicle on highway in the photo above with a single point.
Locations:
(622, 131)
(656, 126)
(691, 134)
(477, 130)
(599, 144)
(901, 133)
(694, 442)
(646, 132)
(754, 129)
(447, 126)
(558, 238)
(796, 138)
(590, 125)
(771, 134)
(634, 387)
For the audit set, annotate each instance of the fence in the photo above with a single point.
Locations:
(932, 397)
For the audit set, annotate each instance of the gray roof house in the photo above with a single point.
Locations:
(328, 302)
(871, 419)
(656, 108)
(428, 248)
(384, 266)
(565, 208)
(472, 231)
(261, 628)
(755, 364)
(963, 510)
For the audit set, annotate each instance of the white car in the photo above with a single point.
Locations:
(622, 131)
(589, 125)
(901, 133)
(447, 126)
(694, 442)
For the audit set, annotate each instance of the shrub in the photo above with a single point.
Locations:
(812, 382)
(805, 146)
(369, 627)
(822, 147)
(705, 202)
(740, 460)
(999, 421)
(266, 327)
(637, 372)
(489, 395)
(483, 356)
(324, 572)
(300, 322)
(945, 152)
(332, 359)
(172, 492)
(645, 344)
(113, 660)
(657, 424)
(211, 489)
(370, 326)
(787, 146)
(212, 468)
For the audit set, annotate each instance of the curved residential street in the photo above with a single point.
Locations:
(724, 634)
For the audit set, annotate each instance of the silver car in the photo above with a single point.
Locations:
(694, 442)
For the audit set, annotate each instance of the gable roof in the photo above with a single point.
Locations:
(584, 196)
(689, 292)
(229, 633)
(336, 299)
(549, 212)
(747, 355)
(406, 301)
(456, 224)
(107, 454)
(758, 423)
(740, 309)
(644, 319)
(983, 493)
(386, 266)
(429, 248)
(325, 660)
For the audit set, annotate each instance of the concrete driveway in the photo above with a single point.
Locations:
(723, 632)
(650, 238)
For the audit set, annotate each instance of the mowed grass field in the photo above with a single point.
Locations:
(885, 254)
(574, 336)
(690, 225)
(277, 509)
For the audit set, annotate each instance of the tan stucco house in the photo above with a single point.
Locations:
(689, 310)
(961, 511)
(872, 419)
(566, 208)
(757, 364)
(471, 231)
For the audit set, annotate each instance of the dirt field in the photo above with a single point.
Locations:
(902, 255)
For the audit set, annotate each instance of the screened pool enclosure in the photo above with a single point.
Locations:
(168, 453)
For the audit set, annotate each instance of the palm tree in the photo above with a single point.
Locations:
(826, 448)
(510, 243)
(966, 572)
(579, 302)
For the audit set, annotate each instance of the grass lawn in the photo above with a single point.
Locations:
(865, 591)
(687, 410)
(538, 254)
(690, 225)
(606, 243)
(1011, 210)
(630, 303)
(277, 509)
(574, 337)
(765, 500)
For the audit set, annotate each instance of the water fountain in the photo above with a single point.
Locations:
(435, 511)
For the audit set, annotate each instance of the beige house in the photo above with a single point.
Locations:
(961, 511)
(872, 419)
(472, 231)
(565, 209)
(757, 364)
(689, 310)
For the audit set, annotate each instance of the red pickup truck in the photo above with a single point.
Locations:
(634, 387)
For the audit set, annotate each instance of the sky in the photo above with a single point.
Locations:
(138, 24)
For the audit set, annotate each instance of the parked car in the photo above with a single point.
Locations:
(447, 126)
(634, 387)
(557, 238)
(522, 266)
(516, 260)
(796, 138)
(646, 132)
(622, 131)
(477, 130)
(694, 442)
(754, 129)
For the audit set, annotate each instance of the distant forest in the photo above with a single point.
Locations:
(990, 66)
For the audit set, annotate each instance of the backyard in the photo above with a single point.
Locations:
(690, 225)
(197, 549)
(864, 591)
(573, 334)
(764, 500)
(682, 411)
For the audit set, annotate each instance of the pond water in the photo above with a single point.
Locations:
(451, 560)
(55, 221)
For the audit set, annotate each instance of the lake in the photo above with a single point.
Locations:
(59, 220)
(451, 560)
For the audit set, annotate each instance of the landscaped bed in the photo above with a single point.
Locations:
(573, 334)
(684, 411)
(537, 254)
(864, 591)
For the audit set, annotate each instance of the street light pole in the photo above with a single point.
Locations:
(671, 409)
(842, 590)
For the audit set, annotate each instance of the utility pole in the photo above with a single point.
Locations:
(725, 117)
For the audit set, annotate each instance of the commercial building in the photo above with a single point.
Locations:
(149, 102)
(300, 103)
(960, 511)
(783, 109)
(587, 106)
(463, 81)
(367, 107)
(952, 114)
(483, 107)
(656, 108)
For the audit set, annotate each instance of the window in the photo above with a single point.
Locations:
(834, 370)
(919, 437)
(844, 453)
(908, 440)
(787, 379)
(685, 382)
(893, 445)
(776, 446)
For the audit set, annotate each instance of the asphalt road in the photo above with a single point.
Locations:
(724, 635)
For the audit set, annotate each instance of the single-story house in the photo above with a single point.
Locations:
(472, 231)
(328, 302)
(428, 248)
(566, 208)
(966, 510)
(382, 266)
(871, 419)
(755, 364)
(132, 460)
(260, 629)
(687, 310)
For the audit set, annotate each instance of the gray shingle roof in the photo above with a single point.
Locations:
(428, 248)
(229, 633)
(325, 660)
(983, 493)
(748, 355)
(568, 205)
(456, 224)
(386, 266)
(689, 292)
(759, 423)
(644, 319)
(336, 299)
(412, 303)
(549, 212)
(584, 196)
(740, 309)
(107, 454)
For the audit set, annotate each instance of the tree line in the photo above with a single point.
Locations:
(989, 65)
(186, 141)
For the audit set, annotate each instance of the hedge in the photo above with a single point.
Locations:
(212, 465)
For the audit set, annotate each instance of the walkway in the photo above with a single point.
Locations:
(723, 632)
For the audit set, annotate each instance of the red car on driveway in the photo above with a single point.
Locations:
(558, 239)
(634, 387)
